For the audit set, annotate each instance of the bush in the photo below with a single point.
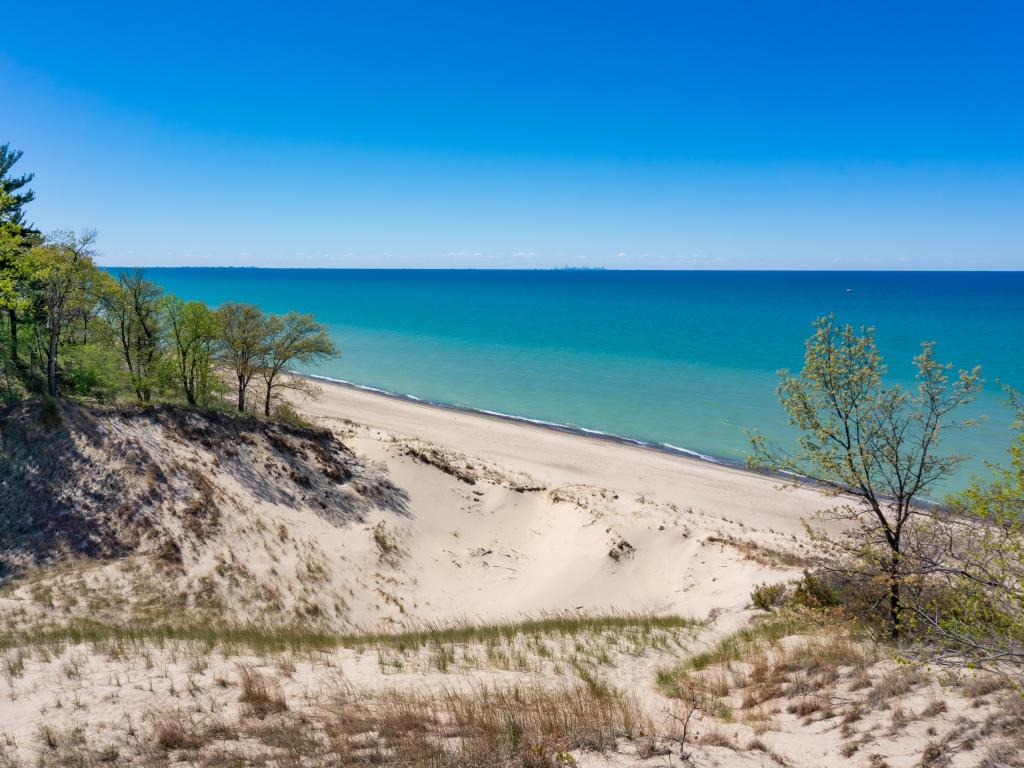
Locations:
(288, 415)
(93, 370)
(768, 597)
(817, 591)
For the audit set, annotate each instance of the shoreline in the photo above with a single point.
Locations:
(560, 457)
(664, 449)
(565, 429)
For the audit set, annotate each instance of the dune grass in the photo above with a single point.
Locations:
(270, 639)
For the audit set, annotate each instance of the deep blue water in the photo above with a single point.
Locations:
(683, 358)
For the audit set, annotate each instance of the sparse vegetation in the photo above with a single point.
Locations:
(768, 597)
(876, 444)
(262, 639)
(951, 580)
(262, 695)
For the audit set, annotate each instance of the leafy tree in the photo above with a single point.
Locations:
(12, 199)
(876, 445)
(132, 306)
(193, 331)
(976, 556)
(10, 248)
(63, 273)
(242, 333)
(11, 298)
(94, 369)
(15, 234)
(292, 338)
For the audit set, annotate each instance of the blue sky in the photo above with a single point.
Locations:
(654, 135)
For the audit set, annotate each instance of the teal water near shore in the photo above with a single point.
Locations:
(683, 359)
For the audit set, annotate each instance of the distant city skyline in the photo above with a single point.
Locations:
(539, 135)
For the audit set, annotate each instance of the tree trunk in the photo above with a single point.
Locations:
(894, 605)
(242, 383)
(12, 317)
(51, 365)
(266, 401)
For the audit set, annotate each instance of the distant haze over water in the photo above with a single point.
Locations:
(682, 358)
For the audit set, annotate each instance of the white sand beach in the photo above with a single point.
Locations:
(549, 546)
(436, 518)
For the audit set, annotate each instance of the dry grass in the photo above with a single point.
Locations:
(894, 684)
(262, 695)
(488, 726)
(758, 553)
(174, 729)
(527, 726)
(792, 669)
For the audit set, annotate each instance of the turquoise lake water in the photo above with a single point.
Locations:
(686, 359)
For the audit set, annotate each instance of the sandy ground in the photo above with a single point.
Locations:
(486, 519)
(556, 458)
(490, 550)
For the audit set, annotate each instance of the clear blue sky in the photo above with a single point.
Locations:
(662, 135)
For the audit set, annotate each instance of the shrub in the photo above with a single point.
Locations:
(767, 597)
(93, 370)
(817, 591)
(285, 413)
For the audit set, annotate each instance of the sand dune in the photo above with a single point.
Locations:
(556, 521)
(410, 516)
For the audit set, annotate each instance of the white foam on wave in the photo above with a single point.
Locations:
(694, 454)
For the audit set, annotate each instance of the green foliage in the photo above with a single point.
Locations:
(977, 606)
(291, 338)
(242, 337)
(855, 433)
(11, 244)
(192, 328)
(12, 199)
(132, 308)
(86, 332)
(94, 370)
(768, 597)
(876, 443)
(1000, 500)
(62, 276)
(289, 415)
(816, 591)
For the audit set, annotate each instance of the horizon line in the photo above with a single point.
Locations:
(565, 268)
